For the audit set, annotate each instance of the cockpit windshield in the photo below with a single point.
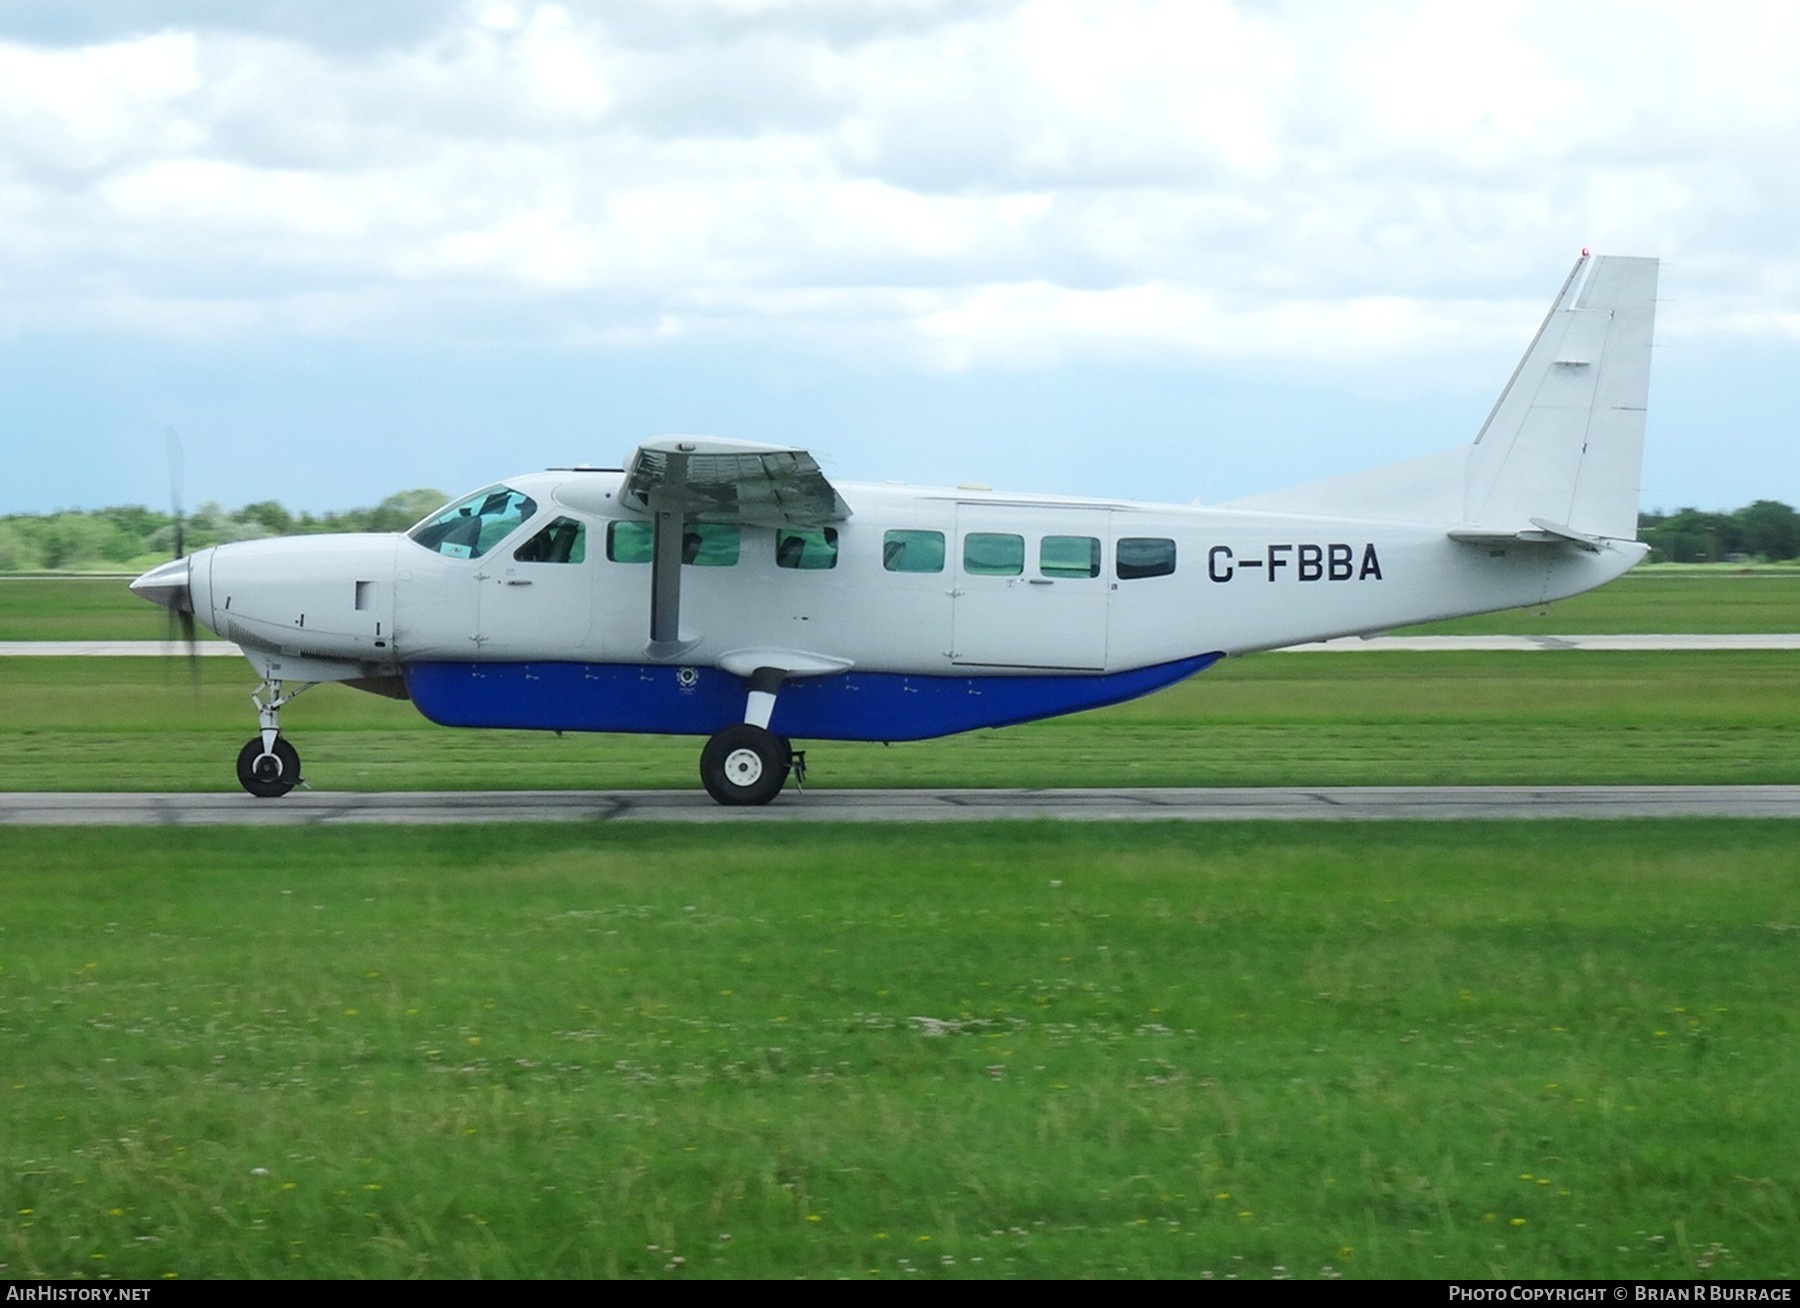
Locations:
(473, 526)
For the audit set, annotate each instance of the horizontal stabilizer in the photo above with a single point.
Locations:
(1541, 533)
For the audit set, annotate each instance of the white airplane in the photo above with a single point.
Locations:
(729, 590)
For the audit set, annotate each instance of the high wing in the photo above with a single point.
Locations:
(710, 480)
(682, 479)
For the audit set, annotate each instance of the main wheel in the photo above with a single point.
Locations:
(744, 765)
(271, 774)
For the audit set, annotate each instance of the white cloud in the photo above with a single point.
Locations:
(913, 184)
(86, 109)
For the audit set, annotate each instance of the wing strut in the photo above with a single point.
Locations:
(668, 524)
(682, 479)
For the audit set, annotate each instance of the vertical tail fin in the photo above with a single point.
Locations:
(1564, 444)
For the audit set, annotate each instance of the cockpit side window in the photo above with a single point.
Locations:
(563, 541)
(473, 526)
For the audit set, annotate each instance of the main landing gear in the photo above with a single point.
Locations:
(748, 763)
(267, 765)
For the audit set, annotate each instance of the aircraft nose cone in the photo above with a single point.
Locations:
(168, 585)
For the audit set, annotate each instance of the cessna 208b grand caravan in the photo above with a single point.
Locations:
(729, 590)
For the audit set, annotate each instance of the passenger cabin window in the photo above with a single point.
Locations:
(1145, 556)
(709, 544)
(913, 551)
(628, 541)
(563, 541)
(703, 544)
(1069, 556)
(807, 548)
(993, 554)
(473, 526)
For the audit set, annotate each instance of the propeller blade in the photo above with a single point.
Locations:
(173, 441)
(185, 620)
(181, 607)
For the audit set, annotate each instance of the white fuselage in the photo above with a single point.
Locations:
(342, 607)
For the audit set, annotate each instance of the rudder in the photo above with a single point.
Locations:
(1564, 443)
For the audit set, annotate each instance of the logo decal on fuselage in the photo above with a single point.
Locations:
(1306, 562)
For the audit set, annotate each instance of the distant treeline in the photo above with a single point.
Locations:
(1767, 530)
(128, 537)
(88, 540)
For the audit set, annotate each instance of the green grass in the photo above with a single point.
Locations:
(1435, 1050)
(1658, 599)
(1396, 1050)
(77, 608)
(1350, 719)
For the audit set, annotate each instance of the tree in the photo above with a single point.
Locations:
(1690, 536)
(16, 553)
(274, 519)
(74, 540)
(1770, 529)
(398, 512)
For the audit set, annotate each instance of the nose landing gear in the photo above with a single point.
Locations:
(268, 771)
(267, 765)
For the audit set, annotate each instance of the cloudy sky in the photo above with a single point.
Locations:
(1120, 247)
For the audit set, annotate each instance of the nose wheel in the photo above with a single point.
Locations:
(267, 772)
(267, 766)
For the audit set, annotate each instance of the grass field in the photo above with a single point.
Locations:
(1656, 599)
(1664, 599)
(1433, 1050)
(1339, 719)
(76, 608)
(1250, 1050)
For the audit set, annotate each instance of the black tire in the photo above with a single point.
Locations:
(744, 765)
(268, 776)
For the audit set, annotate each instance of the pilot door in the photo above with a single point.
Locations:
(536, 601)
(1031, 587)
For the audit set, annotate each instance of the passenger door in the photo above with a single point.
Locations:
(1031, 587)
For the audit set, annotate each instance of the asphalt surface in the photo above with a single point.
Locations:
(1334, 804)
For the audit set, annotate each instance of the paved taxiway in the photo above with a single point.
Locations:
(1341, 804)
